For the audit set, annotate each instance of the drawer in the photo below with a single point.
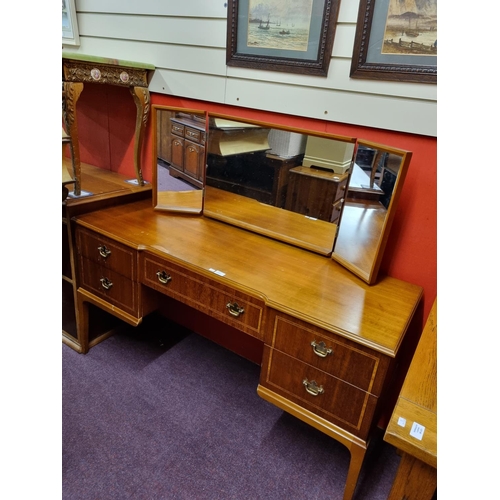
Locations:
(336, 209)
(345, 360)
(194, 135)
(341, 189)
(177, 129)
(338, 402)
(110, 286)
(222, 302)
(107, 253)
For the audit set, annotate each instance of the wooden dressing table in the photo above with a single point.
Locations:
(330, 341)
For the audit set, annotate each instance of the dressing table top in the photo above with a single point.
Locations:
(295, 281)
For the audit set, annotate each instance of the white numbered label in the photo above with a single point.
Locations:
(417, 431)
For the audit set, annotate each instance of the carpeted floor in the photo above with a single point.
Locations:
(168, 183)
(171, 415)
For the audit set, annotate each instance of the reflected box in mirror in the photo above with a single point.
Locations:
(286, 144)
(325, 153)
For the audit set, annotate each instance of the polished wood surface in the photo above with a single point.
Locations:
(180, 201)
(417, 404)
(103, 185)
(296, 229)
(308, 286)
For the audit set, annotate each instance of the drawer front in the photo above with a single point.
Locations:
(356, 365)
(330, 398)
(341, 189)
(107, 253)
(193, 134)
(336, 209)
(230, 306)
(110, 286)
(177, 129)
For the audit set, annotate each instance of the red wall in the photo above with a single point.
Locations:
(106, 124)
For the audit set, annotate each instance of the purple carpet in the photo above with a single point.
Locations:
(168, 183)
(175, 416)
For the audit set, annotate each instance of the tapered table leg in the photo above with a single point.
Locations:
(357, 457)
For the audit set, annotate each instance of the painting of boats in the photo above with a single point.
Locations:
(279, 24)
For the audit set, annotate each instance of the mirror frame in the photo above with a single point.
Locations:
(370, 275)
(179, 205)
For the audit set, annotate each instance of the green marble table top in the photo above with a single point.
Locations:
(105, 60)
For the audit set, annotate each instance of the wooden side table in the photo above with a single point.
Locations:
(80, 69)
(413, 425)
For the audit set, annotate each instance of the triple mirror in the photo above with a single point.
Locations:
(329, 194)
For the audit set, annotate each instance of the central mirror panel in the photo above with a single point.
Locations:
(285, 183)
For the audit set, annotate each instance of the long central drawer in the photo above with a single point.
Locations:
(231, 306)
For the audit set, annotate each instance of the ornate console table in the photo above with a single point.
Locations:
(80, 69)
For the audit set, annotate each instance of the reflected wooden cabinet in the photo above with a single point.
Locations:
(316, 193)
(187, 159)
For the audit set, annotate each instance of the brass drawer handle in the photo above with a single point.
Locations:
(104, 251)
(312, 387)
(163, 277)
(106, 284)
(320, 349)
(234, 309)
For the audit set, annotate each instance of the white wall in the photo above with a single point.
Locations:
(186, 41)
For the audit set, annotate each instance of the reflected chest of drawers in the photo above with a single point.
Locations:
(316, 192)
(188, 149)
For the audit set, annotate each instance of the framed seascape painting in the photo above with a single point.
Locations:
(294, 36)
(396, 41)
(70, 34)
